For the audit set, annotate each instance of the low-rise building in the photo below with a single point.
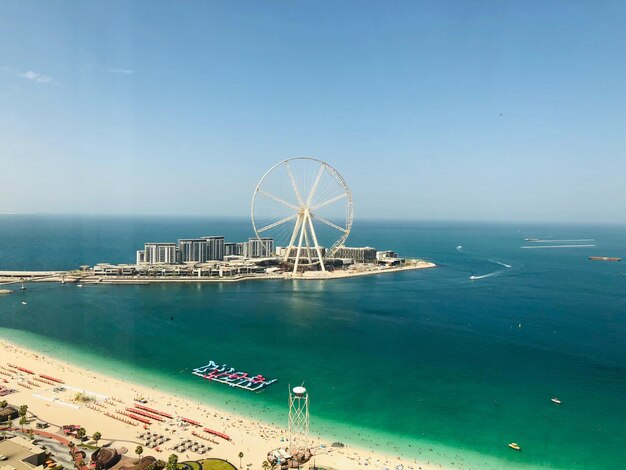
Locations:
(391, 261)
(305, 252)
(21, 454)
(364, 254)
(127, 269)
(8, 413)
(380, 255)
(105, 269)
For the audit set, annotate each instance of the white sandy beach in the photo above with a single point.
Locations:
(249, 436)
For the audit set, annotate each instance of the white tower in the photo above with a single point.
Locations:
(298, 420)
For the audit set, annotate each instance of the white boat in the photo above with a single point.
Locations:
(515, 446)
(79, 285)
(23, 303)
(555, 400)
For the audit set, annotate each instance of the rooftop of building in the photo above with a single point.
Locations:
(21, 454)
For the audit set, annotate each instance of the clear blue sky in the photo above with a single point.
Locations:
(430, 110)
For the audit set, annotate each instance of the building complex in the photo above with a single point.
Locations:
(212, 256)
(203, 250)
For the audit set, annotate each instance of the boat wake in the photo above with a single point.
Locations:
(494, 273)
(501, 264)
(483, 259)
(483, 276)
(555, 246)
(549, 240)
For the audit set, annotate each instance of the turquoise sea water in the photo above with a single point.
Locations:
(409, 361)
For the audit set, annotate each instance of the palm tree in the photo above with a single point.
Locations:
(22, 422)
(3, 404)
(138, 451)
(240, 457)
(96, 437)
(23, 410)
(172, 462)
(266, 465)
(81, 433)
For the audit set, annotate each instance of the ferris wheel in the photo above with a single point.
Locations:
(303, 207)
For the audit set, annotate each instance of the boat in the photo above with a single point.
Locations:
(79, 285)
(555, 400)
(531, 239)
(23, 303)
(515, 446)
(604, 258)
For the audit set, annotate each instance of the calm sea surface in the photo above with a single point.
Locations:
(428, 362)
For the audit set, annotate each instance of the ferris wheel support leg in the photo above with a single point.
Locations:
(293, 237)
(295, 266)
(317, 247)
(308, 246)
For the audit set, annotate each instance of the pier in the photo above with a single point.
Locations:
(15, 277)
(30, 274)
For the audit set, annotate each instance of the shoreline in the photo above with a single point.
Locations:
(14, 277)
(254, 437)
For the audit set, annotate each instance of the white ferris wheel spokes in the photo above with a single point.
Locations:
(305, 207)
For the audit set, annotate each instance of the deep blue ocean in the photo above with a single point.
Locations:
(429, 363)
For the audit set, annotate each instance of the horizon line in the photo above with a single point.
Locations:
(364, 218)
